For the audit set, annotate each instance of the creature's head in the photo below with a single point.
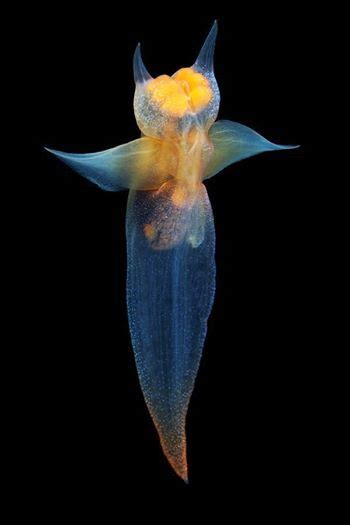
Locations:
(166, 105)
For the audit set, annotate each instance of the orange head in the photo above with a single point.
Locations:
(168, 105)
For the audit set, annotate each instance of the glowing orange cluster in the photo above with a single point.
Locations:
(186, 91)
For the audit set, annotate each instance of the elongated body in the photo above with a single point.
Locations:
(170, 228)
(171, 244)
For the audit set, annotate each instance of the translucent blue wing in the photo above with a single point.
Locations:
(138, 164)
(170, 291)
(233, 142)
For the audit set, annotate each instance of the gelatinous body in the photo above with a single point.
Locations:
(170, 228)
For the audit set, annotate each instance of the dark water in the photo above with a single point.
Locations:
(88, 440)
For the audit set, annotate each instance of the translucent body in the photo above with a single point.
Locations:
(170, 228)
(170, 291)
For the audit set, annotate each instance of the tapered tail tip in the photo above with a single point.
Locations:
(179, 465)
(174, 448)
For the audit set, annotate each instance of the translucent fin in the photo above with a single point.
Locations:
(142, 164)
(233, 142)
(170, 291)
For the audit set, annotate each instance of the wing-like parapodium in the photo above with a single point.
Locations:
(170, 291)
(142, 164)
(233, 142)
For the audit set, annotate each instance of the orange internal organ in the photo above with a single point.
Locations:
(197, 87)
(149, 231)
(186, 91)
(179, 196)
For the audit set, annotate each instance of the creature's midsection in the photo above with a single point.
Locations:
(185, 155)
(176, 210)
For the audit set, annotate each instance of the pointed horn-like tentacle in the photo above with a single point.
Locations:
(140, 72)
(205, 59)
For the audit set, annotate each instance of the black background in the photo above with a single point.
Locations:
(89, 442)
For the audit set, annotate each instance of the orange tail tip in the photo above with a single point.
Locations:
(174, 449)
